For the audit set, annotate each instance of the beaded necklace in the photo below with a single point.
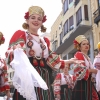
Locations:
(32, 52)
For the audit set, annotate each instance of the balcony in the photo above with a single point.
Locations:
(81, 29)
(97, 16)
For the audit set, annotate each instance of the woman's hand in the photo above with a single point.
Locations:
(76, 61)
(93, 71)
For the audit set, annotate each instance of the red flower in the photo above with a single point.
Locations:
(26, 15)
(3, 39)
(44, 19)
(75, 42)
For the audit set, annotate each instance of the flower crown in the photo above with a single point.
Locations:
(27, 16)
(78, 40)
(76, 44)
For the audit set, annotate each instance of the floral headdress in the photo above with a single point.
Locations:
(2, 39)
(78, 40)
(35, 10)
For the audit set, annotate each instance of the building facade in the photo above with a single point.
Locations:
(95, 8)
(76, 20)
(56, 32)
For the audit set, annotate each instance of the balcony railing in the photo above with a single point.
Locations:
(97, 16)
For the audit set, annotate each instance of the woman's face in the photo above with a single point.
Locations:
(85, 46)
(34, 22)
(65, 70)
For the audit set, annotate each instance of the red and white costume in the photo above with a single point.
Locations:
(4, 85)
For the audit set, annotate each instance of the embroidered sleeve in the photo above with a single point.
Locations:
(4, 85)
(18, 39)
(80, 70)
(57, 84)
(54, 60)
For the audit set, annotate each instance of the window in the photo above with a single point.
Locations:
(54, 45)
(78, 16)
(70, 4)
(99, 3)
(86, 12)
(60, 26)
(76, 2)
(65, 6)
(66, 27)
(61, 37)
(70, 1)
(71, 23)
(65, 57)
(56, 34)
(53, 38)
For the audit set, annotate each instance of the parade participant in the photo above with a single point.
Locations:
(96, 65)
(96, 62)
(84, 89)
(37, 49)
(64, 84)
(4, 85)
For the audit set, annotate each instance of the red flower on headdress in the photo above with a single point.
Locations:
(76, 45)
(44, 19)
(75, 42)
(2, 39)
(26, 15)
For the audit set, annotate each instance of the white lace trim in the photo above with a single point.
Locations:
(25, 94)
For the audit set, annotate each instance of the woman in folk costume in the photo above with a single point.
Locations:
(39, 54)
(96, 64)
(84, 89)
(4, 85)
(64, 84)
